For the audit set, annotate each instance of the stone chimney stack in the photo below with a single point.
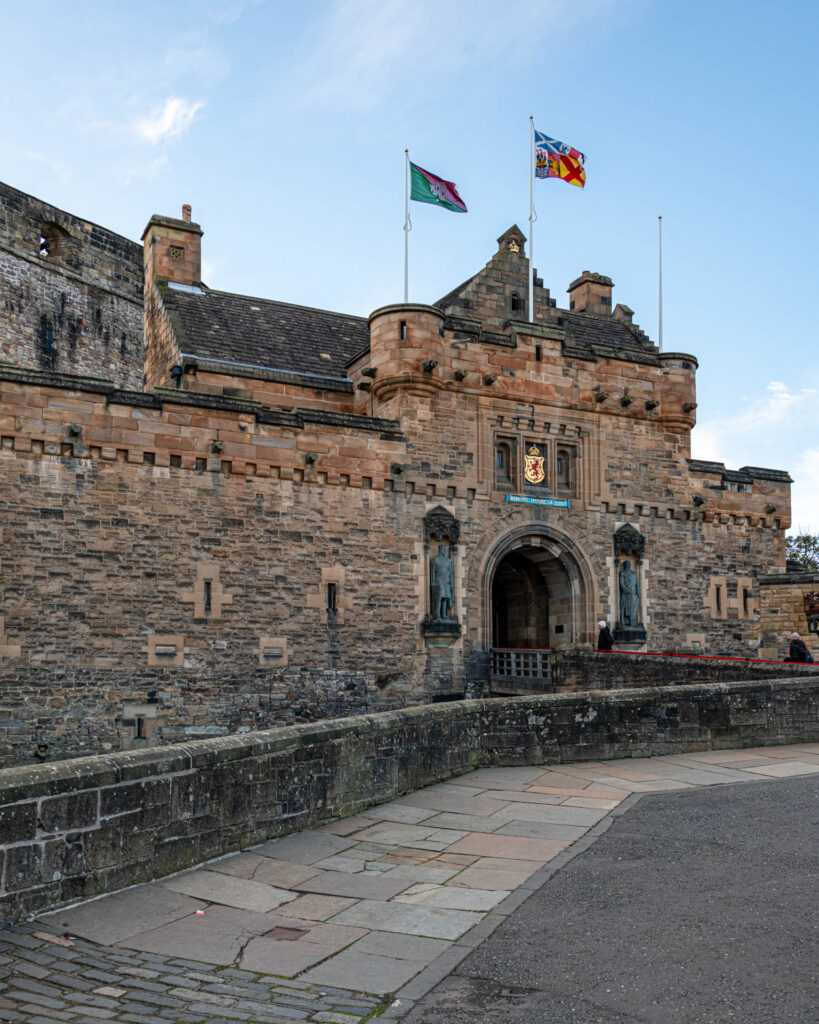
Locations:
(591, 293)
(172, 250)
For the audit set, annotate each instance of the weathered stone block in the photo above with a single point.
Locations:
(18, 822)
(73, 811)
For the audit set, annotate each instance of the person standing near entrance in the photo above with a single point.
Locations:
(605, 641)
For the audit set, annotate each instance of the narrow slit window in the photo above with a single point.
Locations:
(718, 596)
(403, 330)
(503, 465)
(538, 353)
(208, 597)
(745, 603)
(332, 598)
(514, 303)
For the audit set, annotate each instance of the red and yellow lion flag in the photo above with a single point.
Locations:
(567, 168)
(555, 159)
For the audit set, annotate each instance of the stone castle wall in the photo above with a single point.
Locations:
(84, 827)
(186, 544)
(76, 308)
(783, 612)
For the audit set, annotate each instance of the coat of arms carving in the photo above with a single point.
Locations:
(535, 469)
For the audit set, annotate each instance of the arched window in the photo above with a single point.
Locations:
(503, 465)
(565, 482)
(514, 303)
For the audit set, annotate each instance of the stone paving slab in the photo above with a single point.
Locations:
(123, 914)
(215, 887)
(325, 925)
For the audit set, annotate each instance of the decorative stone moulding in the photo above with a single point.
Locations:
(369, 371)
(461, 374)
(429, 365)
(698, 500)
(439, 524)
(601, 396)
(689, 406)
(310, 458)
(627, 400)
(652, 404)
(490, 378)
(629, 542)
(397, 468)
(217, 447)
(365, 385)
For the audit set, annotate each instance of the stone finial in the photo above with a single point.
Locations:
(186, 211)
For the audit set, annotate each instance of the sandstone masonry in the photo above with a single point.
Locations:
(248, 539)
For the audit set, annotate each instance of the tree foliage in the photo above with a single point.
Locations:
(805, 550)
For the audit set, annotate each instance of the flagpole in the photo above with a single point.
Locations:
(531, 217)
(406, 226)
(660, 243)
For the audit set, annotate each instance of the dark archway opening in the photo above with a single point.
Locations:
(532, 611)
(520, 604)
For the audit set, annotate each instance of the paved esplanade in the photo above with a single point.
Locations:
(362, 918)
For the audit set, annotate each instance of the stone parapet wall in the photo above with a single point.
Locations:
(79, 828)
(584, 670)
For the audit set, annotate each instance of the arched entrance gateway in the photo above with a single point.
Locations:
(537, 596)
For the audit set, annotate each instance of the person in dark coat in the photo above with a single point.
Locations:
(605, 641)
(797, 651)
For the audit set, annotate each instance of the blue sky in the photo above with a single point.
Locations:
(284, 126)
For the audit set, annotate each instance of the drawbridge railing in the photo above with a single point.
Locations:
(524, 667)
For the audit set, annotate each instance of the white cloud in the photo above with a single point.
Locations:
(368, 49)
(733, 439)
(174, 117)
(774, 431)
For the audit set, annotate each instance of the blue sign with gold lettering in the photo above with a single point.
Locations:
(522, 499)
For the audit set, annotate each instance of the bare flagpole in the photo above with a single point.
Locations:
(406, 226)
(531, 218)
(660, 243)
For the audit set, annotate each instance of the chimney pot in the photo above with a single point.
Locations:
(186, 211)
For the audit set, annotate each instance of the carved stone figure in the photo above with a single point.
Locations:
(629, 596)
(442, 584)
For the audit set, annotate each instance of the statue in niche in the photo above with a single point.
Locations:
(441, 584)
(629, 596)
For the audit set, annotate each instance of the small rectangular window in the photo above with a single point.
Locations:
(208, 600)
(745, 605)
(403, 330)
(718, 596)
(538, 353)
(332, 597)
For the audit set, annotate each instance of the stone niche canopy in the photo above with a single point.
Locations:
(629, 542)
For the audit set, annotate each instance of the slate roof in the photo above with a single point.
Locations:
(601, 335)
(230, 328)
(587, 334)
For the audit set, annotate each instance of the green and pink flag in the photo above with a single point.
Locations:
(429, 188)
